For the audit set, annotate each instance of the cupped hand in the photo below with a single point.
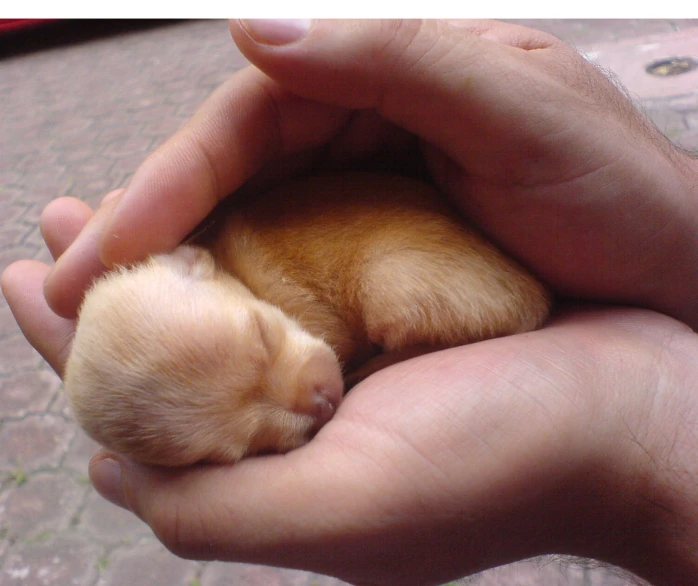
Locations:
(576, 439)
(532, 142)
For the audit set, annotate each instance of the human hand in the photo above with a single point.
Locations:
(527, 138)
(576, 439)
(581, 190)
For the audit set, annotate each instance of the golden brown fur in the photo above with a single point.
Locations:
(177, 361)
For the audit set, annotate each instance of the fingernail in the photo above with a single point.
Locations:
(112, 195)
(79, 264)
(105, 474)
(276, 31)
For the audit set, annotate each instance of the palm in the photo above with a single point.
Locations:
(446, 451)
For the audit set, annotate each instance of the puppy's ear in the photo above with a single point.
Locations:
(271, 330)
(190, 261)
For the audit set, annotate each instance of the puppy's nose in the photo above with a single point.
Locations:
(320, 388)
(325, 406)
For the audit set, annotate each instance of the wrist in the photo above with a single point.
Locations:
(647, 496)
(615, 474)
(670, 281)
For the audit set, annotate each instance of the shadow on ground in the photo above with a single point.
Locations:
(52, 34)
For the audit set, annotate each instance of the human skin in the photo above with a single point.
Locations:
(576, 439)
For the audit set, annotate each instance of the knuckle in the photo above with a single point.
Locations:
(401, 42)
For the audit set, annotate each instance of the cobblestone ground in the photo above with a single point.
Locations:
(76, 119)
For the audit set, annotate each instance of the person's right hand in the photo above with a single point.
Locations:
(533, 143)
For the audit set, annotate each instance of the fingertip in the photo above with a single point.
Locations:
(57, 207)
(272, 31)
(65, 284)
(22, 284)
(106, 474)
(19, 279)
(113, 195)
(80, 263)
(61, 222)
(9, 278)
(399, 67)
(171, 192)
(129, 484)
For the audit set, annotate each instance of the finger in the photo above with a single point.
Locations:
(246, 122)
(22, 284)
(419, 74)
(78, 265)
(532, 142)
(61, 221)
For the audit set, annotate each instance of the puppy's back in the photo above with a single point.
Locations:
(365, 260)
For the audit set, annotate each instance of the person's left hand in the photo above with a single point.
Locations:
(576, 439)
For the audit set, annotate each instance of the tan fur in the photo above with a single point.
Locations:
(177, 361)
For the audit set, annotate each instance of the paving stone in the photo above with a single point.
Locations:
(549, 572)
(584, 32)
(108, 134)
(123, 147)
(43, 255)
(692, 120)
(686, 104)
(13, 212)
(669, 122)
(26, 392)
(92, 190)
(109, 524)
(31, 214)
(689, 140)
(52, 560)
(17, 354)
(147, 564)
(73, 156)
(8, 325)
(79, 453)
(629, 58)
(60, 406)
(8, 195)
(71, 125)
(39, 503)
(34, 441)
(161, 128)
(222, 574)
(17, 232)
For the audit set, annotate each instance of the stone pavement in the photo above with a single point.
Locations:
(76, 119)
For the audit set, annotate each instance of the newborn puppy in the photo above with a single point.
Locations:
(238, 346)
(175, 362)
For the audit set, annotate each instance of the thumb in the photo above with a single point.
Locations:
(461, 86)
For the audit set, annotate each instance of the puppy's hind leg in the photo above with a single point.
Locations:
(441, 298)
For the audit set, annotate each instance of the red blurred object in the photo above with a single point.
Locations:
(9, 24)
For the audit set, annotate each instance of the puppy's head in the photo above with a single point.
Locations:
(175, 362)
